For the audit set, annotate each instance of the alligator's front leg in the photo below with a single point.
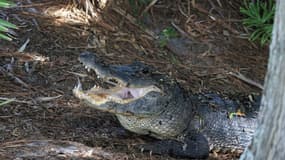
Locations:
(194, 145)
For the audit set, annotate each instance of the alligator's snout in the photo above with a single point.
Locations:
(91, 62)
(87, 57)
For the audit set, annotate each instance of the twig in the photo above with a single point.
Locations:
(25, 57)
(15, 100)
(182, 32)
(247, 80)
(44, 99)
(214, 7)
(23, 47)
(219, 2)
(16, 79)
(77, 74)
(181, 10)
(148, 7)
(218, 20)
(35, 5)
(131, 19)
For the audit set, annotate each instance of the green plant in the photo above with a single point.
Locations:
(2, 103)
(259, 17)
(4, 25)
(165, 35)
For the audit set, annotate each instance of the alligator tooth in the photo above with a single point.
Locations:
(88, 69)
(79, 85)
(77, 90)
(98, 76)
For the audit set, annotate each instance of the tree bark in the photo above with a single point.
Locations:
(269, 140)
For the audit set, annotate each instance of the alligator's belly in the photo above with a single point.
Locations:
(161, 127)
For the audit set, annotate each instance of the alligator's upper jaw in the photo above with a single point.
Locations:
(91, 62)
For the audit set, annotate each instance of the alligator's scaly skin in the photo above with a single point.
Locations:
(166, 111)
(167, 123)
(212, 119)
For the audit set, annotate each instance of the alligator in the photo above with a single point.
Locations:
(149, 103)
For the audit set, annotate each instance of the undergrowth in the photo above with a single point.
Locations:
(165, 35)
(4, 25)
(259, 18)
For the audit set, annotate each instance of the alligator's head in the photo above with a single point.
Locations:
(134, 90)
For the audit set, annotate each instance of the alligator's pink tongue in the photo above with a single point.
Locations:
(126, 94)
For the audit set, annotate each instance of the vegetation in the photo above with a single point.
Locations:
(259, 18)
(2, 103)
(4, 25)
(166, 35)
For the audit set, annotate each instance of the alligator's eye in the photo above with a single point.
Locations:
(112, 81)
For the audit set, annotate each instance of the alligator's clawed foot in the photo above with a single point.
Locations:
(195, 146)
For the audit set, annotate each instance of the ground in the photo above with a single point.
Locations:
(210, 52)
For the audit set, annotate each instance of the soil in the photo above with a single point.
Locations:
(210, 52)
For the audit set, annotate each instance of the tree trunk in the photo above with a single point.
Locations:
(269, 140)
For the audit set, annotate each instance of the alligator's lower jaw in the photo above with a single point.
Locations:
(118, 94)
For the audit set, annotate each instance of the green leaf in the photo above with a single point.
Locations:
(4, 25)
(165, 35)
(7, 101)
(169, 32)
(259, 18)
(7, 24)
(2, 36)
(3, 29)
(6, 4)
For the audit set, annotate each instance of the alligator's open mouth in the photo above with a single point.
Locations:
(121, 92)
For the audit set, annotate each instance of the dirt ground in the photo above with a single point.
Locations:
(45, 121)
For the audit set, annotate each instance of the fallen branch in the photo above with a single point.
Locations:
(41, 149)
(247, 80)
